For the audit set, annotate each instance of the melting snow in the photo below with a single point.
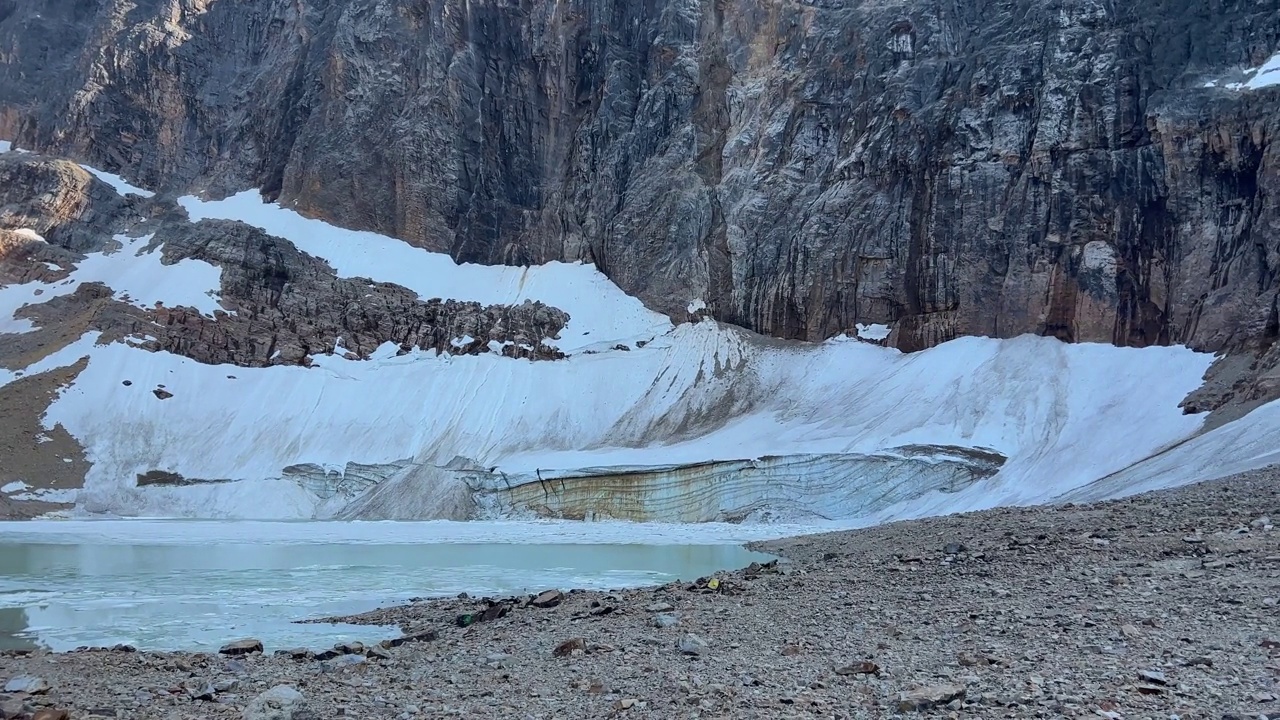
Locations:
(5, 146)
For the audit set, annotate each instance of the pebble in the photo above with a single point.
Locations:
(1153, 676)
(691, 644)
(1032, 630)
(927, 698)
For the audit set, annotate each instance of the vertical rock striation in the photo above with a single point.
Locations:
(992, 167)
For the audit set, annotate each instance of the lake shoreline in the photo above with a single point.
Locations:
(1158, 604)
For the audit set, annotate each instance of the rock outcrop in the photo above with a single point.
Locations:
(954, 168)
(281, 305)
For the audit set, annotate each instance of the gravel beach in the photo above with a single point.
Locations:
(1163, 605)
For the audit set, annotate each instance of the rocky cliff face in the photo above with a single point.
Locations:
(983, 167)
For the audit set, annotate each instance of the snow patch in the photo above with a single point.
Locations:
(68, 355)
(15, 486)
(52, 495)
(135, 275)
(121, 185)
(599, 311)
(29, 234)
(1265, 75)
(5, 146)
(873, 331)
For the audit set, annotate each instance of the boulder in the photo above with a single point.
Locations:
(279, 703)
(242, 647)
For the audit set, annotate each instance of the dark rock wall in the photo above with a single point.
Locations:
(955, 166)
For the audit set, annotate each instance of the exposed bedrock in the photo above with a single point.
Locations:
(993, 167)
(281, 305)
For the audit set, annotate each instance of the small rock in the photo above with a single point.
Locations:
(1153, 676)
(420, 636)
(691, 644)
(1151, 689)
(665, 621)
(955, 548)
(567, 647)
(279, 703)
(225, 685)
(346, 660)
(790, 650)
(354, 648)
(929, 697)
(162, 393)
(1260, 523)
(199, 689)
(661, 607)
(1130, 631)
(627, 703)
(27, 684)
(865, 667)
(51, 714)
(547, 599)
(377, 651)
(12, 707)
(300, 653)
(242, 647)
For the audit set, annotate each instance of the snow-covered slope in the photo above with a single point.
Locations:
(1246, 444)
(298, 442)
(1063, 415)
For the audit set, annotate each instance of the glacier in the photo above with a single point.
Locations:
(645, 419)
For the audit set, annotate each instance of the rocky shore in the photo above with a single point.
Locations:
(1159, 606)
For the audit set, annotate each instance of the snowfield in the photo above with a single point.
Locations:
(291, 442)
